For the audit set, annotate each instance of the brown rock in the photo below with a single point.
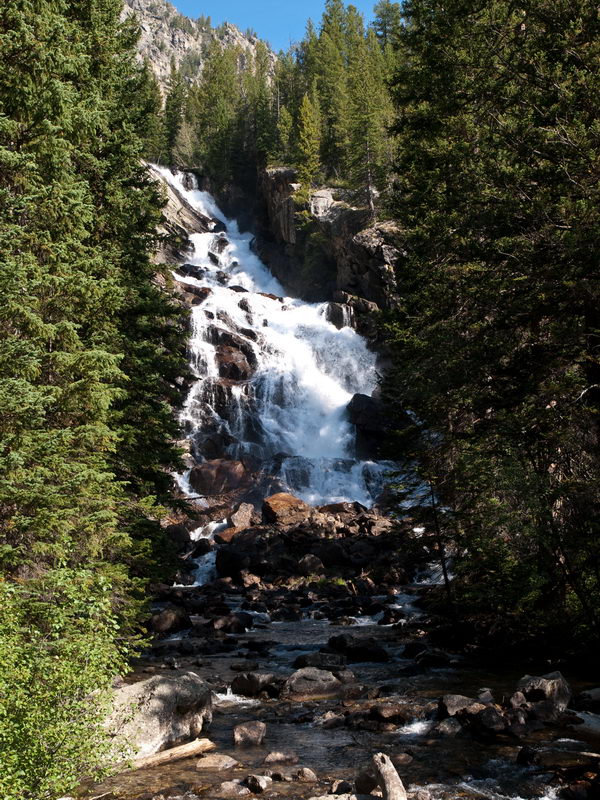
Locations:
(285, 509)
(218, 477)
(249, 734)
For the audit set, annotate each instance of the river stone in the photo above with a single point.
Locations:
(451, 704)
(252, 684)
(551, 691)
(242, 517)
(217, 762)
(258, 783)
(311, 684)
(170, 620)
(448, 727)
(280, 758)
(249, 734)
(232, 789)
(160, 712)
(306, 775)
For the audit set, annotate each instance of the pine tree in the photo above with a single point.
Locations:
(388, 22)
(309, 141)
(174, 109)
(367, 160)
(497, 194)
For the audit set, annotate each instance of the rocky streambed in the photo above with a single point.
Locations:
(301, 638)
(311, 674)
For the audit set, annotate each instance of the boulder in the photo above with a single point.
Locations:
(310, 565)
(306, 775)
(277, 757)
(242, 517)
(285, 509)
(170, 620)
(340, 315)
(251, 684)
(160, 712)
(549, 694)
(310, 683)
(358, 650)
(451, 704)
(258, 783)
(233, 363)
(249, 734)
(218, 477)
(232, 789)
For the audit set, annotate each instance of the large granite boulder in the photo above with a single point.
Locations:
(160, 712)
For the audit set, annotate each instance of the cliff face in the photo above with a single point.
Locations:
(332, 250)
(166, 36)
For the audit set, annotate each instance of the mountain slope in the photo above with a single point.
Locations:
(168, 36)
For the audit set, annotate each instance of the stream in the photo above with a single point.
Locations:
(267, 414)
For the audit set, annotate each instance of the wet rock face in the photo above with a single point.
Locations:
(355, 257)
(218, 477)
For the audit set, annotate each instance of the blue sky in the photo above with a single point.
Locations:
(277, 21)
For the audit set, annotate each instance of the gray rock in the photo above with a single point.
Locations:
(258, 783)
(252, 684)
(550, 693)
(451, 704)
(216, 762)
(281, 758)
(311, 684)
(448, 727)
(249, 734)
(160, 712)
(242, 517)
(306, 775)
(233, 789)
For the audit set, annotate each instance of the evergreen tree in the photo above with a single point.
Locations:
(309, 142)
(89, 351)
(388, 22)
(496, 341)
(174, 109)
(370, 114)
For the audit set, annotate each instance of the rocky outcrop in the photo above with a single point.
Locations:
(179, 220)
(160, 712)
(333, 247)
(167, 36)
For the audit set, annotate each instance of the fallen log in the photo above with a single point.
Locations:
(388, 779)
(174, 754)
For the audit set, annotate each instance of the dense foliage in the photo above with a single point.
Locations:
(496, 343)
(89, 353)
(323, 107)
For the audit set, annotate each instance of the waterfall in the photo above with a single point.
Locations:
(273, 376)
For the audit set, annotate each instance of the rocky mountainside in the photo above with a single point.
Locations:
(168, 36)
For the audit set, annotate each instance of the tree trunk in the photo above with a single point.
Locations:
(175, 754)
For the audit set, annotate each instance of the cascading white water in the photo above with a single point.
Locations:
(287, 415)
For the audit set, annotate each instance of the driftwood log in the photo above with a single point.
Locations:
(175, 754)
(388, 779)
